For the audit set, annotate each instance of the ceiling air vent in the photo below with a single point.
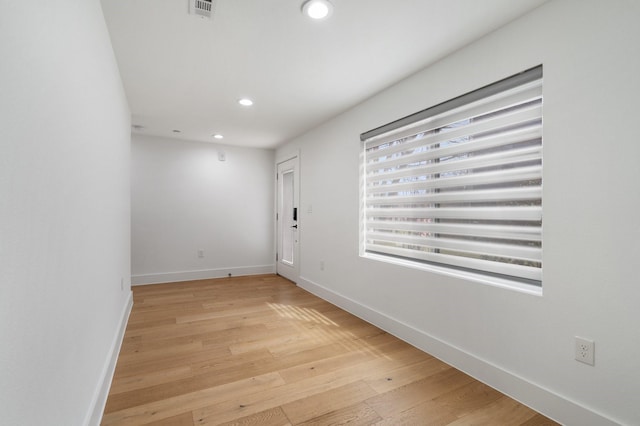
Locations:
(203, 8)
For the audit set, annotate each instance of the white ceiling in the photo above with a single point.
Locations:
(183, 72)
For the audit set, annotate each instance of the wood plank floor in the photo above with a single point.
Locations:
(260, 351)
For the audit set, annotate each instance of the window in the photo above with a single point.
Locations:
(460, 184)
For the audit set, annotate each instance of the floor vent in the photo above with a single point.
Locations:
(203, 8)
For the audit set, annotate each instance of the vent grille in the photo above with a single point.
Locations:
(203, 8)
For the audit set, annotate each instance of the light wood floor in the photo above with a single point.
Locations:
(261, 351)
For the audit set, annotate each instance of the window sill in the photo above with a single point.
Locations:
(465, 275)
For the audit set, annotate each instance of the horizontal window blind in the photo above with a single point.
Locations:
(460, 184)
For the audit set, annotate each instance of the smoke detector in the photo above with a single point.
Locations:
(202, 8)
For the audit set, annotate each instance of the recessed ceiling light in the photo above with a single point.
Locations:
(245, 102)
(317, 9)
(218, 136)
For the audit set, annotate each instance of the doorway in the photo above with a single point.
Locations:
(287, 250)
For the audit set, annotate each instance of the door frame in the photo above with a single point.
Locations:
(296, 188)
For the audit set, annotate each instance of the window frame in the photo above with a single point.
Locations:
(426, 121)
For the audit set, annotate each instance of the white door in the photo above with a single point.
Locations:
(287, 220)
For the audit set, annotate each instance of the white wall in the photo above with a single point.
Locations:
(520, 343)
(64, 212)
(184, 200)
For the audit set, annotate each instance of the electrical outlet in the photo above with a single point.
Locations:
(200, 253)
(585, 350)
(322, 265)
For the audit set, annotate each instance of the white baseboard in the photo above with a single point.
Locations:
(99, 400)
(540, 399)
(170, 277)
